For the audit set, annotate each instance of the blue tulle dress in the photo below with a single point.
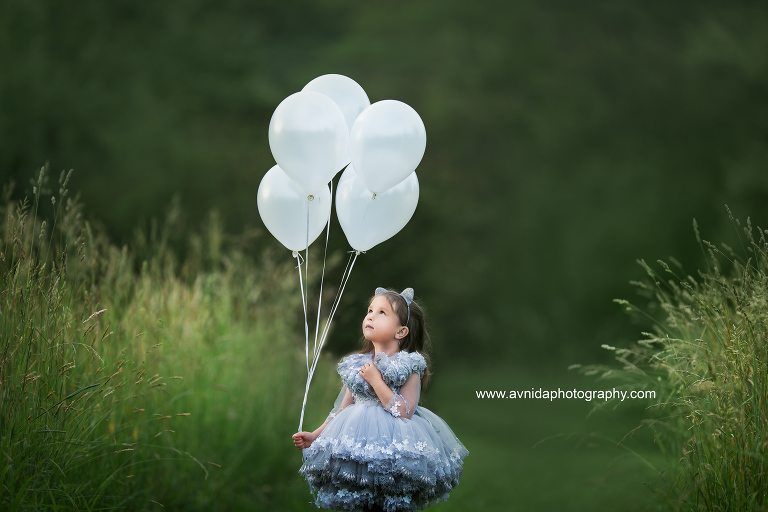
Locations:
(399, 456)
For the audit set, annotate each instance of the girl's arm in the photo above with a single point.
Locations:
(303, 439)
(402, 404)
(347, 400)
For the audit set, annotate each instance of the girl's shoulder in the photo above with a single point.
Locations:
(414, 360)
(398, 368)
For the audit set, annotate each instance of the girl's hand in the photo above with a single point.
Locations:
(303, 439)
(370, 373)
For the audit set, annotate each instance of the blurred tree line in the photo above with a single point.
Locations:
(564, 140)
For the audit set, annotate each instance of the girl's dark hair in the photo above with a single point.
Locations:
(417, 339)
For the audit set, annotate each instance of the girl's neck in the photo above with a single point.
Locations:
(388, 349)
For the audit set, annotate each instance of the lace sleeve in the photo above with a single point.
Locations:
(344, 399)
(403, 404)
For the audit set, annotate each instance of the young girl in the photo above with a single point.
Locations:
(378, 450)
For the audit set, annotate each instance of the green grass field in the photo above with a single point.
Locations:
(131, 380)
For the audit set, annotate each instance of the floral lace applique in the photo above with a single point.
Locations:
(398, 405)
(397, 369)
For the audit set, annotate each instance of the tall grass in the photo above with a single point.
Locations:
(706, 358)
(131, 378)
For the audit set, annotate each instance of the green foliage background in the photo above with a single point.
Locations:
(565, 140)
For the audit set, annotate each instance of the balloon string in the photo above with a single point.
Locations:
(304, 304)
(336, 299)
(315, 350)
(316, 355)
(322, 276)
(334, 304)
(304, 299)
(334, 307)
(344, 278)
(306, 271)
(326, 330)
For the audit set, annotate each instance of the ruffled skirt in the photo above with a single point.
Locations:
(366, 456)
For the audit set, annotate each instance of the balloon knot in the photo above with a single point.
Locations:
(295, 254)
(310, 197)
(357, 253)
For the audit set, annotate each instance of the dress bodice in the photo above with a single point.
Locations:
(395, 370)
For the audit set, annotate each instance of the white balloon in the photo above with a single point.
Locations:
(386, 144)
(345, 92)
(368, 220)
(309, 139)
(283, 208)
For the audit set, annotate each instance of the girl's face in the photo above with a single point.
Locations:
(382, 324)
